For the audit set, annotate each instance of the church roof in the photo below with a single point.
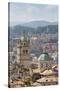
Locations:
(44, 56)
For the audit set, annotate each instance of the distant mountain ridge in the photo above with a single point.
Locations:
(18, 30)
(35, 24)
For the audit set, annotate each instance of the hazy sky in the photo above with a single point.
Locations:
(22, 12)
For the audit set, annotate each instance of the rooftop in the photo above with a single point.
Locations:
(47, 79)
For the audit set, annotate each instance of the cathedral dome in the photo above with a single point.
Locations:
(44, 56)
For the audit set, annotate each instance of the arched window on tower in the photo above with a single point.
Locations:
(26, 51)
(24, 44)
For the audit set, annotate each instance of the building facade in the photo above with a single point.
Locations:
(23, 52)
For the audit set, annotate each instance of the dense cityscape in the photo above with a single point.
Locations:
(36, 62)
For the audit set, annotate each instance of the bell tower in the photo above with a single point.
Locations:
(23, 51)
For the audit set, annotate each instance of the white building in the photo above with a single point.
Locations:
(55, 57)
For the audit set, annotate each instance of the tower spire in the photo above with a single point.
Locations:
(24, 35)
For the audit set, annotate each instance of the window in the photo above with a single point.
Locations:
(24, 44)
(26, 51)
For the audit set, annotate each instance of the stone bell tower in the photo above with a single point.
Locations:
(23, 51)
